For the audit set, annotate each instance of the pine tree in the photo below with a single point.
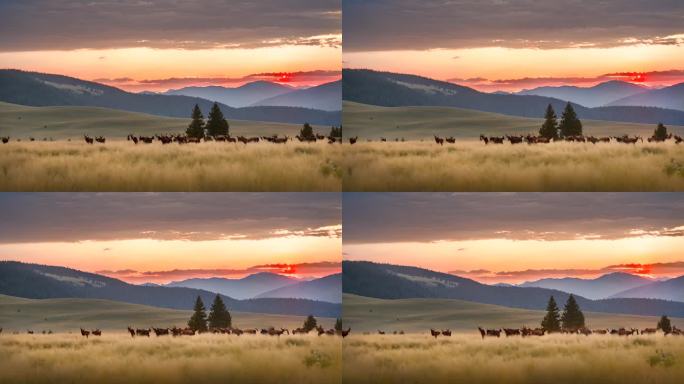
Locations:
(665, 325)
(550, 127)
(310, 323)
(216, 123)
(338, 325)
(660, 132)
(198, 321)
(306, 131)
(196, 127)
(572, 317)
(219, 317)
(551, 322)
(570, 125)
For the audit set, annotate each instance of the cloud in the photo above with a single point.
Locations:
(429, 24)
(430, 217)
(296, 78)
(189, 24)
(651, 78)
(71, 217)
(321, 268)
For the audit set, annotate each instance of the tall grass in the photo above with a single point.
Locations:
(118, 358)
(123, 166)
(551, 359)
(473, 166)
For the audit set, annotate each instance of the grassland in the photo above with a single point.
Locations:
(551, 359)
(118, 358)
(474, 166)
(416, 123)
(59, 123)
(123, 166)
(68, 315)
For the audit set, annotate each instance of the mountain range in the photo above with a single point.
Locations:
(270, 285)
(669, 97)
(395, 90)
(386, 281)
(327, 97)
(39, 89)
(596, 96)
(43, 282)
(600, 288)
(672, 289)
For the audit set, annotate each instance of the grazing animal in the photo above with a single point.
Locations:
(434, 333)
(678, 139)
(143, 332)
(511, 332)
(30, 332)
(88, 140)
(5, 140)
(352, 140)
(439, 140)
(132, 331)
(100, 139)
(344, 333)
(648, 331)
(96, 332)
(299, 330)
(485, 139)
(446, 332)
(160, 331)
(450, 140)
(514, 139)
(0, 330)
(83, 333)
(381, 332)
(532, 332)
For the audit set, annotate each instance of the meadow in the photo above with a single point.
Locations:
(212, 166)
(118, 358)
(467, 358)
(470, 165)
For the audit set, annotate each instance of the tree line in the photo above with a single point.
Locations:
(216, 124)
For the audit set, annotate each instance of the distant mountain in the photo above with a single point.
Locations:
(596, 96)
(242, 96)
(386, 281)
(245, 288)
(396, 90)
(36, 281)
(599, 288)
(328, 288)
(672, 289)
(669, 97)
(327, 97)
(39, 89)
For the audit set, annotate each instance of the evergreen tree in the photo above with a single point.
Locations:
(551, 322)
(665, 325)
(198, 321)
(219, 317)
(572, 317)
(550, 127)
(570, 125)
(216, 123)
(336, 131)
(338, 325)
(196, 127)
(310, 323)
(306, 131)
(660, 132)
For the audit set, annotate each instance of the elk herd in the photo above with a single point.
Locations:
(531, 139)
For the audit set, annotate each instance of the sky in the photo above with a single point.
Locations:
(510, 45)
(156, 45)
(163, 237)
(517, 237)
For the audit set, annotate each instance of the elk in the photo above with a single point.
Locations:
(381, 332)
(160, 331)
(88, 140)
(5, 140)
(344, 333)
(600, 331)
(450, 140)
(96, 332)
(678, 139)
(142, 332)
(514, 139)
(299, 330)
(511, 331)
(485, 139)
(439, 140)
(352, 140)
(648, 331)
(434, 333)
(83, 333)
(100, 139)
(446, 332)
(532, 332)
(131, 331)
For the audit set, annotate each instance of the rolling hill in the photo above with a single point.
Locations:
(672, 289)
(39, 89)
(20, 121)
(399, 90)
(422, 122)
(327, 97)
(596, 96)
(241, 96)
(365, 314)
(669, 97)
(35, 281)
(600, 288)
(245, 288)
(328, 288)
(67, 315)
(386, 281)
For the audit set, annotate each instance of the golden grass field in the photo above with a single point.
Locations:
(124, 166)
(118, 358)
(557, 359)
(473, 166)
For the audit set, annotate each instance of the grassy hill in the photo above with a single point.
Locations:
(61, 315)
(364, 314)
(411, 123)
(19, 121)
